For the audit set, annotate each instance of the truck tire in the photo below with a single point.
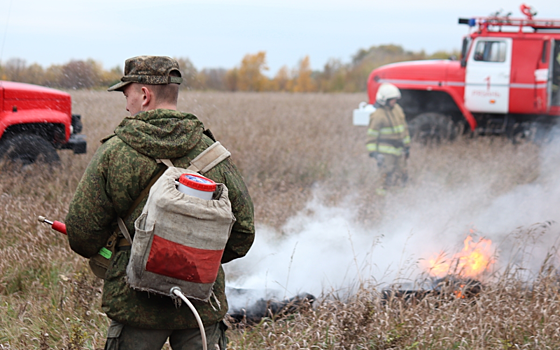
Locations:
(540, 132)
(431, 127)
(27, 149)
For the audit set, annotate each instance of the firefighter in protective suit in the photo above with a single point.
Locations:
(389, 141)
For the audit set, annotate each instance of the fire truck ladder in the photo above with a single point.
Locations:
(485, 24)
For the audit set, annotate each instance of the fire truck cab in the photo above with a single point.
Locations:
(506, 82)
(35, 122)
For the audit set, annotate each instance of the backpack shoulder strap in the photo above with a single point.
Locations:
(208, 159)
(135, 204)
(145, 191)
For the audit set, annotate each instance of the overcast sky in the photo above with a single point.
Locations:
(218, 33)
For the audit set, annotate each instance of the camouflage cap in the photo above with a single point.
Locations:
(151, 70)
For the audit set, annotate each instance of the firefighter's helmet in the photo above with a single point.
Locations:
(387, 92)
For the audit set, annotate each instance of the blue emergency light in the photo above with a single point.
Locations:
(471, 22)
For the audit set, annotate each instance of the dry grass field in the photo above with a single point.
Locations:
(300, 157)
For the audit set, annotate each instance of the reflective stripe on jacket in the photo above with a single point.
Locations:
(382, 148)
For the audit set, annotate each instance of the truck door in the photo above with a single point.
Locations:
(554, 74)
(488, 75)
(543, 77)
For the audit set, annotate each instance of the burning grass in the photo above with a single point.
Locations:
(287, 146)
(475, 258)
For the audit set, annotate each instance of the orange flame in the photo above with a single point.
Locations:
(458, 293)
(471, 262)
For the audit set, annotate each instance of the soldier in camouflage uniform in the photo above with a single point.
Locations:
(120, 169)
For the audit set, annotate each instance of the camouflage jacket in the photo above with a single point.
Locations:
(123, 166)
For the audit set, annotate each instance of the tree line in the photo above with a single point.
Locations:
(248, 75)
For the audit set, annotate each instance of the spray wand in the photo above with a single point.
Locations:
(61, 227)
(55, 225)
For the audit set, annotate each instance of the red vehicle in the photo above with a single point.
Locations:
(507, 81)
(36, 121)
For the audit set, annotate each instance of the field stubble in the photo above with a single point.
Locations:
(287, 146)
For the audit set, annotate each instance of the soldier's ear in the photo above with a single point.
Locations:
(147, 96)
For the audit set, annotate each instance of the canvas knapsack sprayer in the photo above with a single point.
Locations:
(180, 237)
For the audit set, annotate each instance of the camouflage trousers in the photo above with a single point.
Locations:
(122, 337)
(393, 171)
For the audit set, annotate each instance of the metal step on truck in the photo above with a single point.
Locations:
(35, 122)
(505, 83)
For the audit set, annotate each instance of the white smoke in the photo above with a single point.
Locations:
(324, 249)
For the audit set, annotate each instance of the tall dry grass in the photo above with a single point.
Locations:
(505, 315)
(286, 145)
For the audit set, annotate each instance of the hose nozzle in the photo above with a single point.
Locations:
(55, 225)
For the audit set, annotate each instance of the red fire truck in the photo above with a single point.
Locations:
(506, 82)
(35, 121)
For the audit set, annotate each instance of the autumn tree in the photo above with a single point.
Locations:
(78, 74)
(15, 69)
(111, 77)
(303, 82)
(364, 61)
(282, 80)
(35, 74)
(213, 78)
(189, 73)
(250, 75)
(232, 79)
(52, 75)
(333, 76)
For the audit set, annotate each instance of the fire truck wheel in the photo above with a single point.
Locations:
(540, 132)
(27, 149)
(431, 127)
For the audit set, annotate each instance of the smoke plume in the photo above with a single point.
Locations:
(326, 249)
